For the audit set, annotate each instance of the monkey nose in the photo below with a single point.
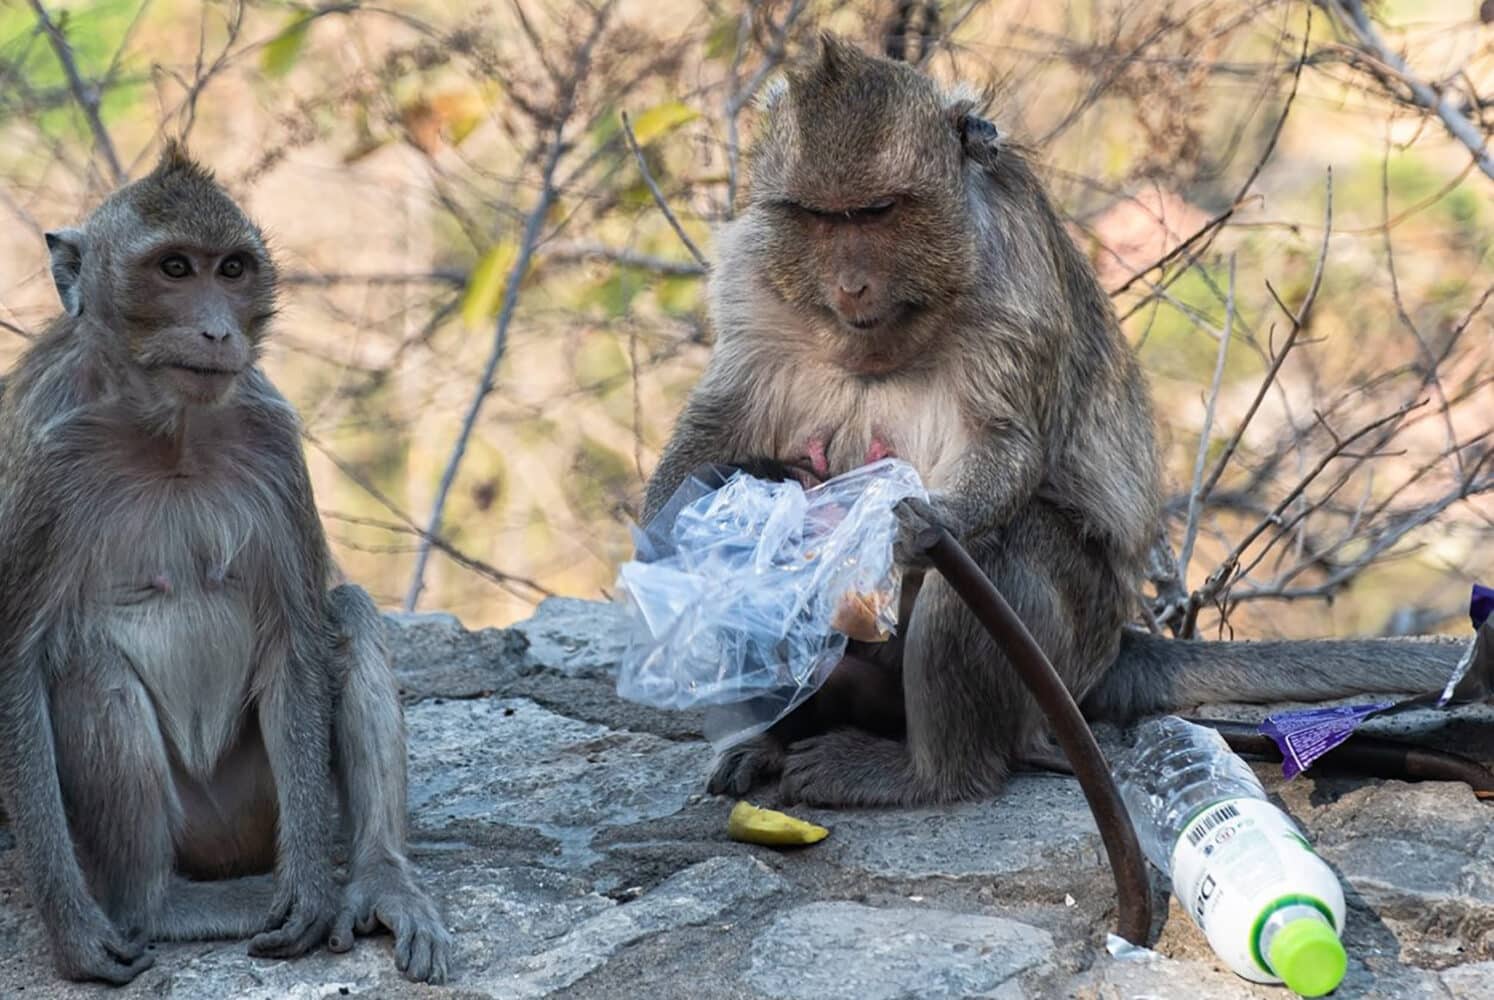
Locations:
(853, 288)
(217, 336)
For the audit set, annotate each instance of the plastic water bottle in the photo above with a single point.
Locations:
(1269, 906)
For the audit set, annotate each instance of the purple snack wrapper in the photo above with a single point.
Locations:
(1480, 605)
(1306, 735)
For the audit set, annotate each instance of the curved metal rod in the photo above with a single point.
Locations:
(1133, 889)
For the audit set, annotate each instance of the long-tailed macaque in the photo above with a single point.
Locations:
(898, 283)
(183, 701)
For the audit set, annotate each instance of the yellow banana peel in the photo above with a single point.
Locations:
(752, 825)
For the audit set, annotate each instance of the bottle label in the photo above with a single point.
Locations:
(1233, 863)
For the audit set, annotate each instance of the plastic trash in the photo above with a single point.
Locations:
(1303, 735)
(1269, 906)
(745, 592)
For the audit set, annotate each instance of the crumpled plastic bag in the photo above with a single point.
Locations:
(743, 596)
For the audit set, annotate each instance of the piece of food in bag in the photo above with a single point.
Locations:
(771, 828)
(861, 616)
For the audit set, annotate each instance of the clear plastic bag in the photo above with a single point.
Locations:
(743, 596)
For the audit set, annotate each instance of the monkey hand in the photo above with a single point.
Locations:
(386, 894)
(919, 523)
(300, 917)
(86, 945)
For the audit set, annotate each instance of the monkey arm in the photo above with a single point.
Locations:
(84, 942)
(32, 790)
(993, 480)
(703, 433)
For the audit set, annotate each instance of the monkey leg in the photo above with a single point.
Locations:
(115, 777)
(968, 715)
(227, 830)
(369, 763)
(223, 910)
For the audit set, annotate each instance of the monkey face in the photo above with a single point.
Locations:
(859, 208)
(195, 316)
(176, 279)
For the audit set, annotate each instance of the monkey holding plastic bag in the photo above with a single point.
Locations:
(898, 283)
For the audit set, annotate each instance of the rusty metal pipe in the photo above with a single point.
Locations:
(1132, 887)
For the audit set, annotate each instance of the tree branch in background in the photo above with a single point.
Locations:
(565, 107)
(740, 95)
(1211, 228)
(653, 189)
(86, 96)
(520, 586)
(1390, 68)
(1196, 495)
(662, 266)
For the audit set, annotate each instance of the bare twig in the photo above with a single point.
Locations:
(1356, 21)
(1208, 229)
(1299, 320)
(520, 586)
(1430, 362)
(532, 227)
(324, 280)
(653, 189)
(742, 94)
(661, 266)
(86, 96)
(1196, 496)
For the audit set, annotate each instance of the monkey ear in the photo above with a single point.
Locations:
(835, 53)
(979, 137)
(66, 249)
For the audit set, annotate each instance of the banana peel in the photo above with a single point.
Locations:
(753, 825)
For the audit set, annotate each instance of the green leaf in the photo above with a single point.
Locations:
(662, 119)
(722, 39)
(616, 293)
(281, 52)
(678, 296)
(484, 296)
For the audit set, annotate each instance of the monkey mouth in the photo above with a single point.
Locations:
(888, 317)
(206, 371)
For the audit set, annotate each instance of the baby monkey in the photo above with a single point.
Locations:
(183, 701)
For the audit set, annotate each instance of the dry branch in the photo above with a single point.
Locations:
(533, 225)
(1352, 17)
(87, 96)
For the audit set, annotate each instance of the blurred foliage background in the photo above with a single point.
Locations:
(482, 292)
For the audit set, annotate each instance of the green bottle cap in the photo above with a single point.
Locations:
(1308, 957)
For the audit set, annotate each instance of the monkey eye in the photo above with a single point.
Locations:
(865, 212)
(875, 209)
(176, 266)
(232, 267)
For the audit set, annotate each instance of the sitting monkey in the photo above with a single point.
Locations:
(898, 283)
(182, 699)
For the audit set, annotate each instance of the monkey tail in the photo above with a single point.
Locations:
(1154, 674)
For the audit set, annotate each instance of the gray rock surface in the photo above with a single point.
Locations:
(569, 839)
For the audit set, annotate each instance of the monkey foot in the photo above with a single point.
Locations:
(746, 766)
(849, 767)
(91, 948)
(387, 895)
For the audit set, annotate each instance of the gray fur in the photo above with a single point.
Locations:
(964, 329)
(174, 674)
